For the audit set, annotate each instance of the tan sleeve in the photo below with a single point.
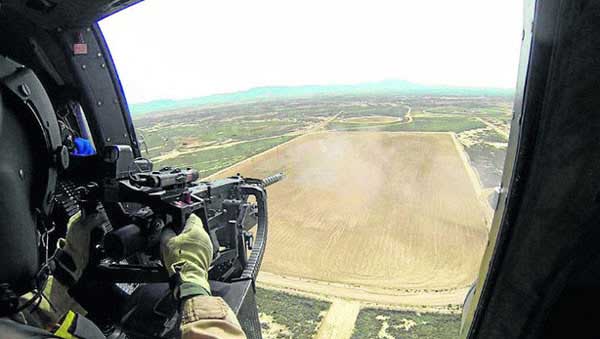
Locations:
(207, 317)
(55, 304)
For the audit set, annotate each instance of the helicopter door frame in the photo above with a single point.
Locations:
(97, 79)
(510, 189)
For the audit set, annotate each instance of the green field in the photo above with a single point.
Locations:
(288, 316)
(377, 323)
(420, 124)
(213, 160)
(361, 110)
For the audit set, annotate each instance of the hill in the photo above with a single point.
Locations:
(265, 93)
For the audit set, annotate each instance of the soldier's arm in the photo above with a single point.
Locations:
(209, 317)
(188, 256)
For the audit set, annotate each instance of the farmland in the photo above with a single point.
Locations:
(404, 199)
(386, 201)
(193, 136)
(290, 315)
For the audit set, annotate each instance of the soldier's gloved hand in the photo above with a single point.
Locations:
(74, 250)
(190, 254)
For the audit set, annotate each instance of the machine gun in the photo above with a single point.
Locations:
(166, 198)
(131, 295)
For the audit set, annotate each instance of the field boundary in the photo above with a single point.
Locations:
(272, 149)
(385, 298)
(475, 179)
(293, 139)
(423, 308)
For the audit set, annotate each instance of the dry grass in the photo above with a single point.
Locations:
(393, 210)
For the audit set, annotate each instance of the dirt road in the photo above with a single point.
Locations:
(495, 128)
(475, 180)
(339, 320)
(408, 117)
(364, 294)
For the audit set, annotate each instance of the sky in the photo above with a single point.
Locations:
(175, 49)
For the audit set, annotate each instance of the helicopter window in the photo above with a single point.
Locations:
(390, 121)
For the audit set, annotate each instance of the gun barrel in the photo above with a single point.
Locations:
(272, 179)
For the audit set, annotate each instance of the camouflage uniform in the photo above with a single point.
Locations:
(202, 317)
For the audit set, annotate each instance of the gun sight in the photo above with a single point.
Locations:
(166, 177)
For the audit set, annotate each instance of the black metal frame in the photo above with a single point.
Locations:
(103, 98)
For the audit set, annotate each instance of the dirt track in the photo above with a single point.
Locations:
(502, 132)
(435, 300)
(339, 321)
(396, 211)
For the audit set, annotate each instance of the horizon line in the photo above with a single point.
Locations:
(324, 85)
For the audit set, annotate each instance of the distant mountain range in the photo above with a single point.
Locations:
(281, 92)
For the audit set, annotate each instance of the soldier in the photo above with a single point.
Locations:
(27, 178)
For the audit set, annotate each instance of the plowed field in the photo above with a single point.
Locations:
(386, 210)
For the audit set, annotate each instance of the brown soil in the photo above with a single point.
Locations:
(381, 210)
